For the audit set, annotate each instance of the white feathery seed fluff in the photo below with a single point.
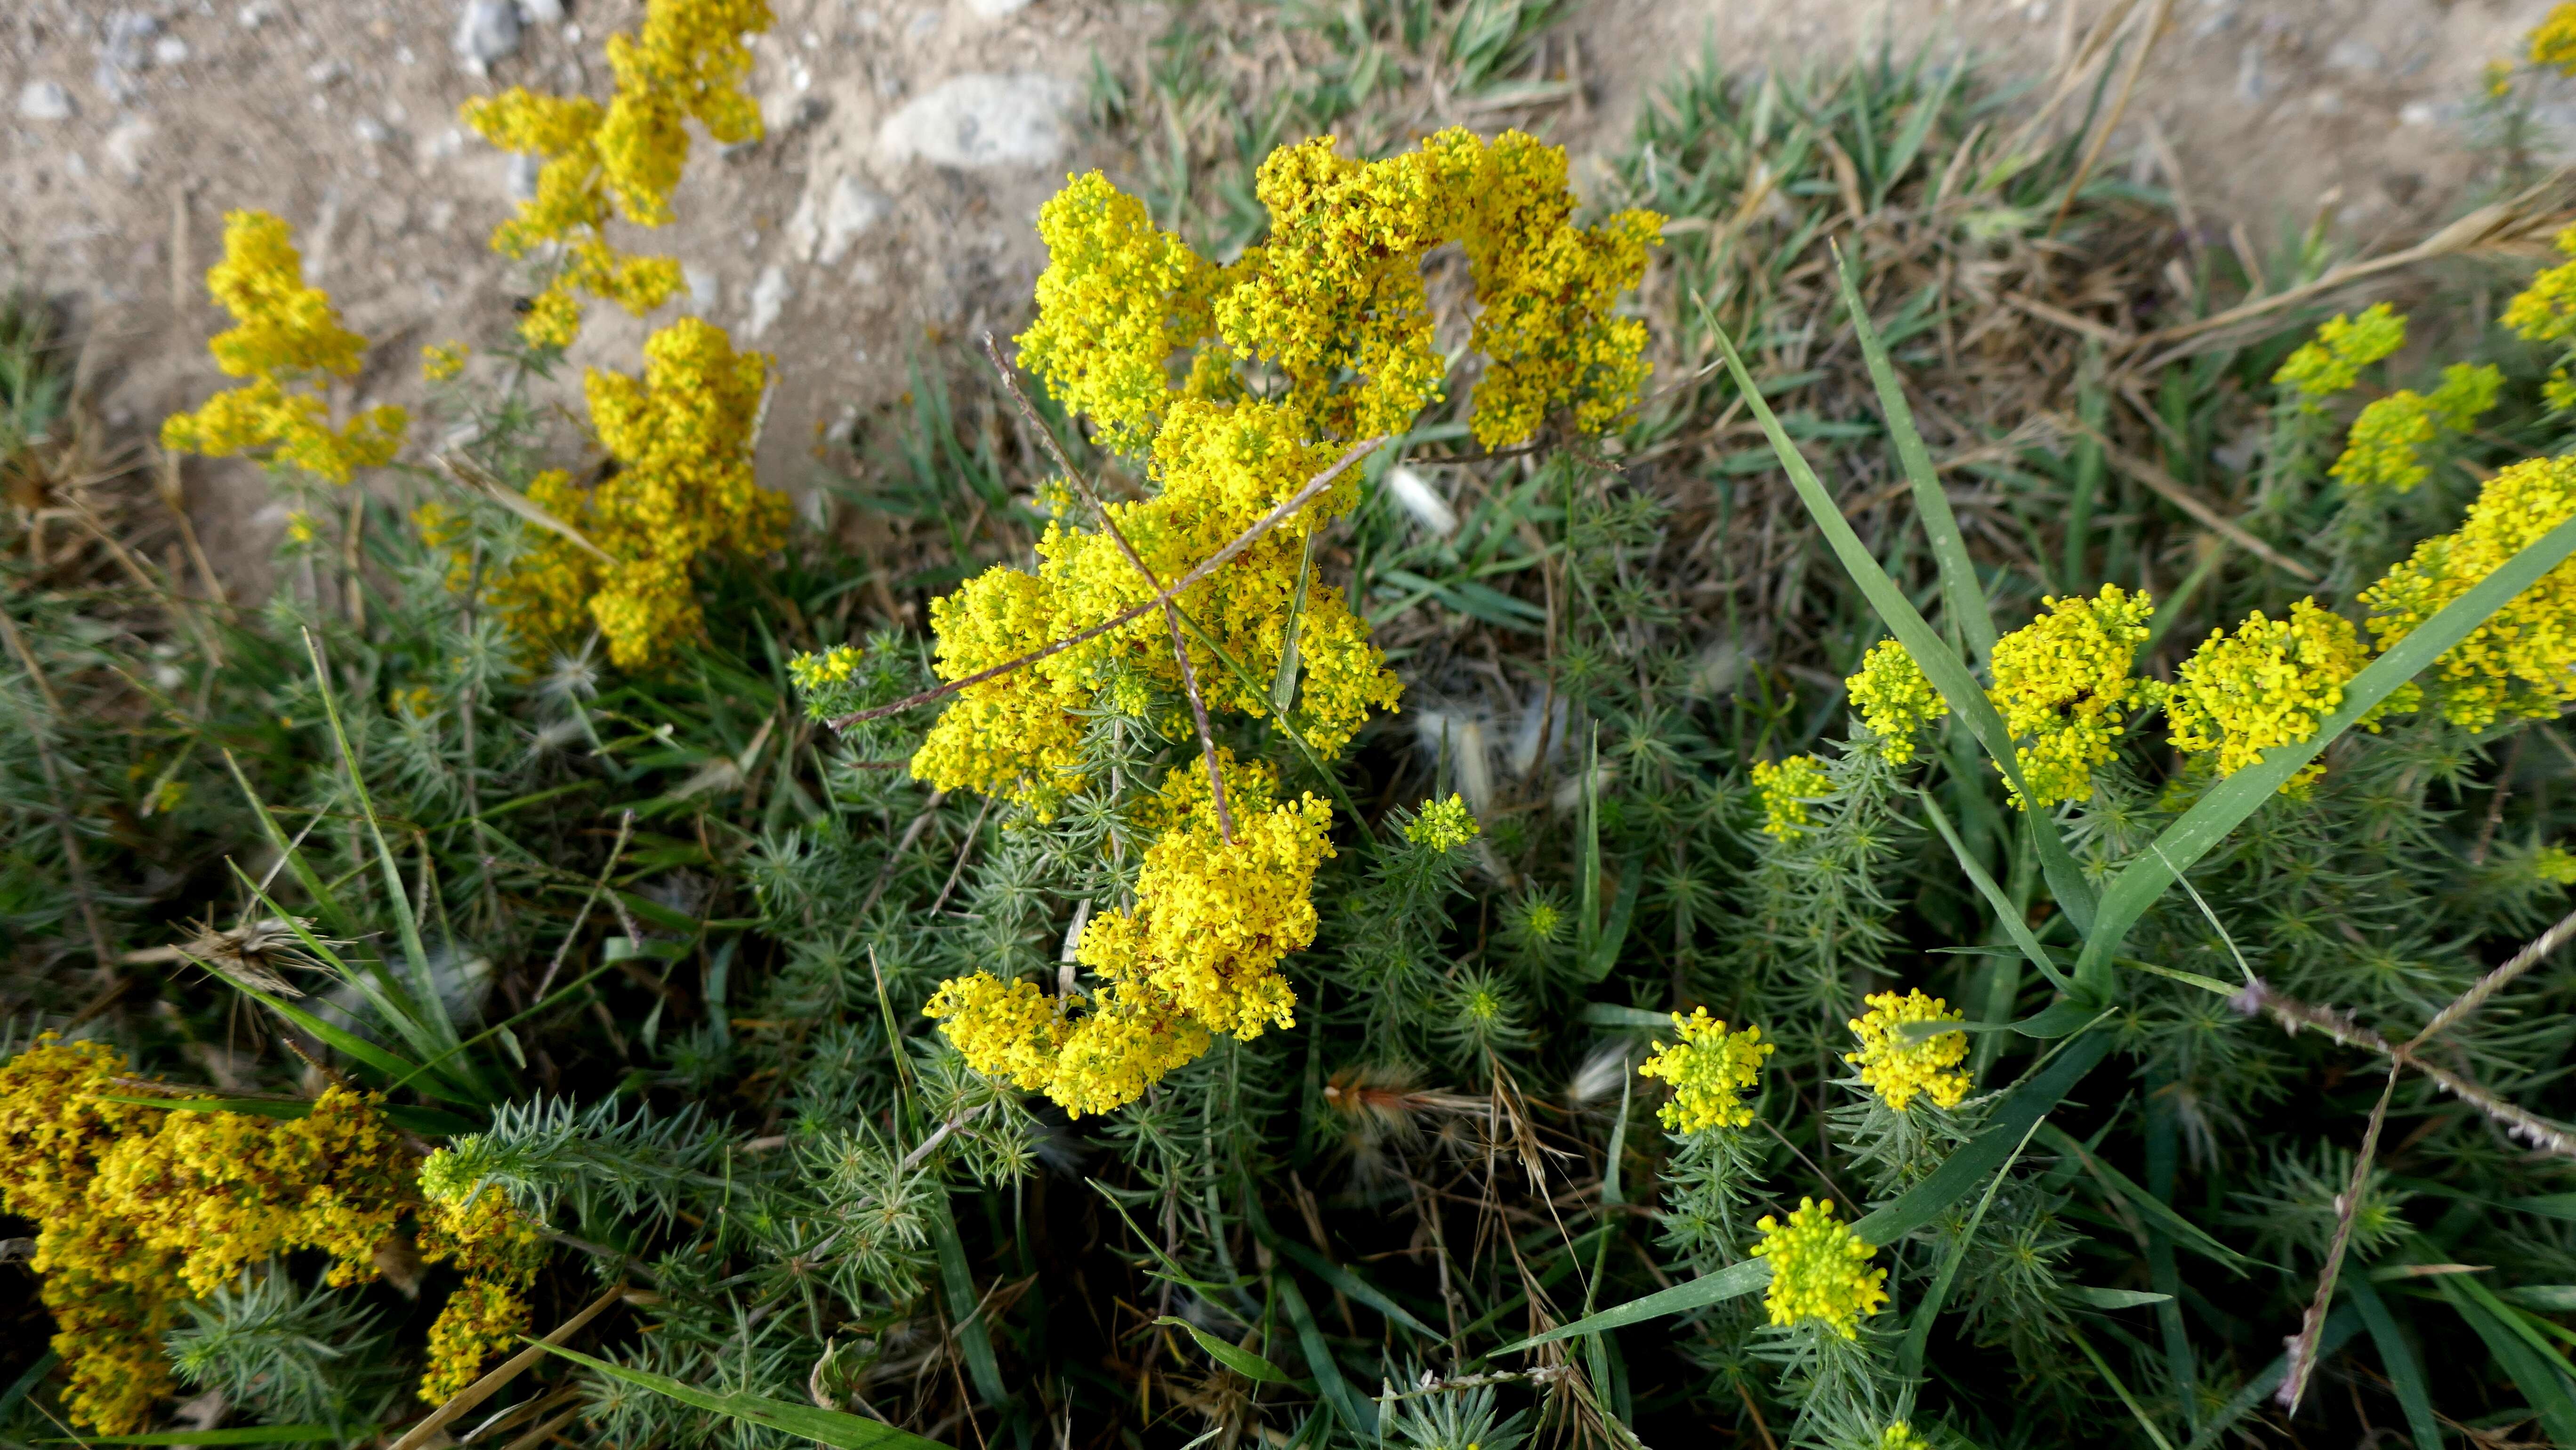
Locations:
(1422, 501)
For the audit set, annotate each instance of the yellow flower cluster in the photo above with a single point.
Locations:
(1785, 789)
(2268, 686)
(441, 362)
(1894, 699)
(1119, 299)
(2545, 310)
(2387, 441)
(139, 1211)
(2062, 683)
(687, 61)
(498, 1251)
(829, 667)
(2522, 660)
(1444, 826)
(1899, 1435)
(682, 435)
(1820, 1270)
(2553, 41)
(1200, 953)
(1899, 1069)
(2345, 345)
(1220, 467)
(284, 333)
(2555, 865)
(1710, 1069)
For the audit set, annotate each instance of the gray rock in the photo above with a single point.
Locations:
(982, 122)
(371, 131)
(2357, 57)
(169, 50)
(124, 50)
(996, 9)
(126, 145)
(705, 289)
(768, 294)
(44, 101)
(2249, 73)
(542, 12)
(852, 210)
(486, 31)
(523, 176)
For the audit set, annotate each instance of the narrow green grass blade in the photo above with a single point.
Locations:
(344, 1041)
(26, 1383)
(406, 924)
(2155, 1210)
(1948, 673)
(964, 1309)
(1283, 687)
(1351, 1285)
(387, 996)
(1357, 1412)
(1730, 1282)
(2531, 1373)
(1962, 594)
(1966, 1168)
(804, 1422)
(1242, 1361)
(2005, 912)
(2145, 879)
(325, 900)
(1918, 1335)
(2118, 1387)
(2405, 1374)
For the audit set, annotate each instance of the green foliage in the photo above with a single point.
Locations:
(647, 955)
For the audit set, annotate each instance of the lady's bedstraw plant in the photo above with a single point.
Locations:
(687, 62)
(141, 1211)
(1239, 383)
(287, 339)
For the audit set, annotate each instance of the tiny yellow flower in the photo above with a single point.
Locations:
(1899, 1069)
(1444, 826)
(2545, 309)
(2269, 685)
(1009, 1031)
(442, 361)
(1894, 699)
(301, 530)
(1820, 1270)
(1900, 1436)
(2522, 661)
(2063, 684)
(2553, 41)
(1785, 789)
(2555, 865)
(2344, 346)
(1711, 1070)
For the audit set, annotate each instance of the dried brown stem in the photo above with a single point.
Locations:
(1171, 613)
(2301, 1353)
(2494, 982)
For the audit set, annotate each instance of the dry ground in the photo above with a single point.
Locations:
(911, 142)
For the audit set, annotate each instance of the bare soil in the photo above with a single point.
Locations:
(856, 235)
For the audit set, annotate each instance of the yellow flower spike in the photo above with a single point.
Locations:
(480, 1319)
(1785, 789)
(1010, 1031)
(1894, 699)
(2553, 41)
(1820, 1270)
(682, 434)
(1444, 826)
(284, 332)
(1213, 920)
(1899, 1070)
(686, 62)
(1711, 1070)
(2063, 684)
(138, 1210)
(2522, 661)
(2343, 346)
(441, 361)
(2269, 685)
